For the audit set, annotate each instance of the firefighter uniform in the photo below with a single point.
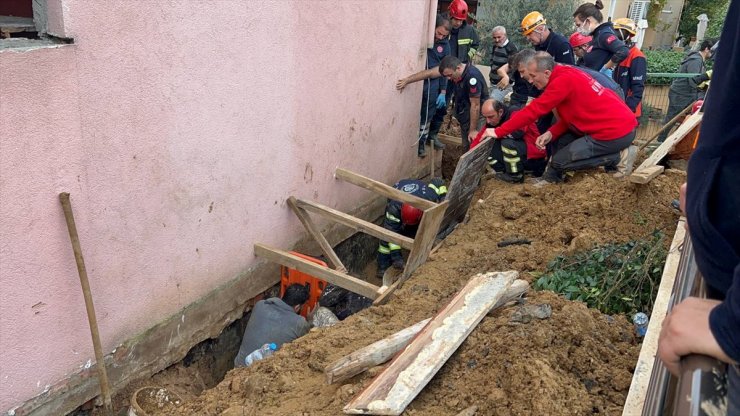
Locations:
(431, 90)
(630, 75)
(472, 85)
(559, 47)
(390, 253)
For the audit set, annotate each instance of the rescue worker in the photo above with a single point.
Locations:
(684, 91)
(607, 51)
(404, 218)
(595, 127)
(503, 49)
(631, 73)
(274, 320)
(581, 46)
(522, 88)
(434, 90)
(471, 90)
(534, 28)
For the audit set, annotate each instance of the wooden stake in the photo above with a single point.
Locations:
(314, 231)
(87, 294)
(383, 189)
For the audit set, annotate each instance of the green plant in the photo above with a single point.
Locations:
(715, 11)
(653, 14)
(663, 61)
(614, 278)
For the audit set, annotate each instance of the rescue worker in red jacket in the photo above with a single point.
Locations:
(631, 73)
(595, 127)
(404, 218)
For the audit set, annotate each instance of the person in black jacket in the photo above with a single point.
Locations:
(712, 197)
(534, 28)
(632, 72)
(607, 51)
(503, 49)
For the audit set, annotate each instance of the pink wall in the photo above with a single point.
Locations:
(180, 128)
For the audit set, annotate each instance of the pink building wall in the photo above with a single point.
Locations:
(180, 128)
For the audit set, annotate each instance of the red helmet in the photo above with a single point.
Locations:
(697, 106)
(459, 9)
(410, 215)
(578, 39)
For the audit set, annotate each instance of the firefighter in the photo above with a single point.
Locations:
(471, 90)
(607, 51)
(631, 73)
(581, 46)
(404, 218)
(534, 28)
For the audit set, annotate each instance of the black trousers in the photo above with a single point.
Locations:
(585, 152)
(508, 155)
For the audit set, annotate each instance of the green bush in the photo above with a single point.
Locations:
(663, 61)
(615, 278)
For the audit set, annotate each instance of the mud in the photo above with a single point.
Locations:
(576, 362)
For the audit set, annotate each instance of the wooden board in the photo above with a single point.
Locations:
(670, 142)
(356, 223)
(645, 362)
(383, 189)
(381, 351)
(424, 240)
(646, 175)
(465, 181)
(392, 390)
(334, 277)
(314, 231)
(450, 140)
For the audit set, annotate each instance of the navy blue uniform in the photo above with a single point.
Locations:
(430, 92)
(464, 42)
(630, 75)
(389, 253)
(605, 46)
(559, 47)
(471, 85)
(713, 198)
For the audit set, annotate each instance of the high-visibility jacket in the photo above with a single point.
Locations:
(464, 42)
(630, 75)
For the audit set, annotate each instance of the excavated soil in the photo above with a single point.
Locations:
(577, 362)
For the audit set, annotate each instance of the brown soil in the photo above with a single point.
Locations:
(577, 362)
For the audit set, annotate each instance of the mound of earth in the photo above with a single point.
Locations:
(577, 362)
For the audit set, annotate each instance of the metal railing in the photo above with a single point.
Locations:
(655, 103)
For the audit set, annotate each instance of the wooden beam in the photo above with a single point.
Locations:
(314, 231)
(645, 175)
(383, 189)
(669, 143)
(355, 223)
(424, 240)
(450, 140)
(465, 181)
(393, 389)
(644, 368)
(381, 351)
(334, 277)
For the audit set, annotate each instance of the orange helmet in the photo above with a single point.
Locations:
(532, 21)
(626, 24)
(458, 9)
(578, 39)
(410, 215)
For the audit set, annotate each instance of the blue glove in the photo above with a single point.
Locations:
(441, 102)
(607, 71)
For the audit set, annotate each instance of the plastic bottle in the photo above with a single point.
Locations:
(261, 353)
(641, 323)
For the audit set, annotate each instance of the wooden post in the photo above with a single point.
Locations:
(314, 231)
(410, 371)
(383, 189)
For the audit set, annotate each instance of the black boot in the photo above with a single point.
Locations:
(422, 150)
(510, 177)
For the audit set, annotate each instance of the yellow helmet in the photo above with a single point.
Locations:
(625, 24)
(532, 21)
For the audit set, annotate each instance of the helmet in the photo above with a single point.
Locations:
(458, 9)
(410, 215)
(697, 106)
(531, 21)
(578, 39)
(626, 24)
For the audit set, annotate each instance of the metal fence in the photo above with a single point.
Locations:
(655, 103)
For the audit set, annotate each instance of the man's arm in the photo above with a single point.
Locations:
(695, 66)
(503, 72)
(555, 92)
(419, 76)
(637, 74)
(618, 49)
(474, 112)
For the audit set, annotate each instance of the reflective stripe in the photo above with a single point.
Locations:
(383, 249)
(394, 246)
(512, 161)
(464, 41)
(442, 190)
(471, 52)
(509, 151)
(391, 217)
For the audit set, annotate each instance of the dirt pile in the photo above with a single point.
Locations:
(576, 362)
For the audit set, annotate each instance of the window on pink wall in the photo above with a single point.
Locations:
(32, 19)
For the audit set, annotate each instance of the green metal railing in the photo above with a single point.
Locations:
(655, 103)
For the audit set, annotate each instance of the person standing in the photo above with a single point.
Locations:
(581, 46)
(470, 91)
(503, 49)
(534, 28)
(607, 51)
(631, 73)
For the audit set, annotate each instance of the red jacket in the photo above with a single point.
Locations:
(583, 106)
(530, 138)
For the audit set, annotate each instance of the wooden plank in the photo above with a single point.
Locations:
(646, 175)
(357, 224)
(393, 389)
(334, 277)
(424, 240)
(465, 181)
(314, 231)
(383, 189)
(645, 362)
(670, 142)
(381, 351)
(450, 140)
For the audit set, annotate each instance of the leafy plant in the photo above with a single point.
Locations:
(663, 61)
(614, 278)
(715, 11)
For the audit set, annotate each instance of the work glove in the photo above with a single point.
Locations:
(702, 81)
(398, 263)
(607, 71)
(441, 101)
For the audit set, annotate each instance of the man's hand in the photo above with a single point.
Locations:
(471, 135)
(686, 331)
(504, 83)
(401, 84)
(490, 132)
(543, 140)
(441, 100)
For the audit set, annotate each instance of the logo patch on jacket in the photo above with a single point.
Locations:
(440, 48)
(610, 39)
(410, 188)
(473, 81)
